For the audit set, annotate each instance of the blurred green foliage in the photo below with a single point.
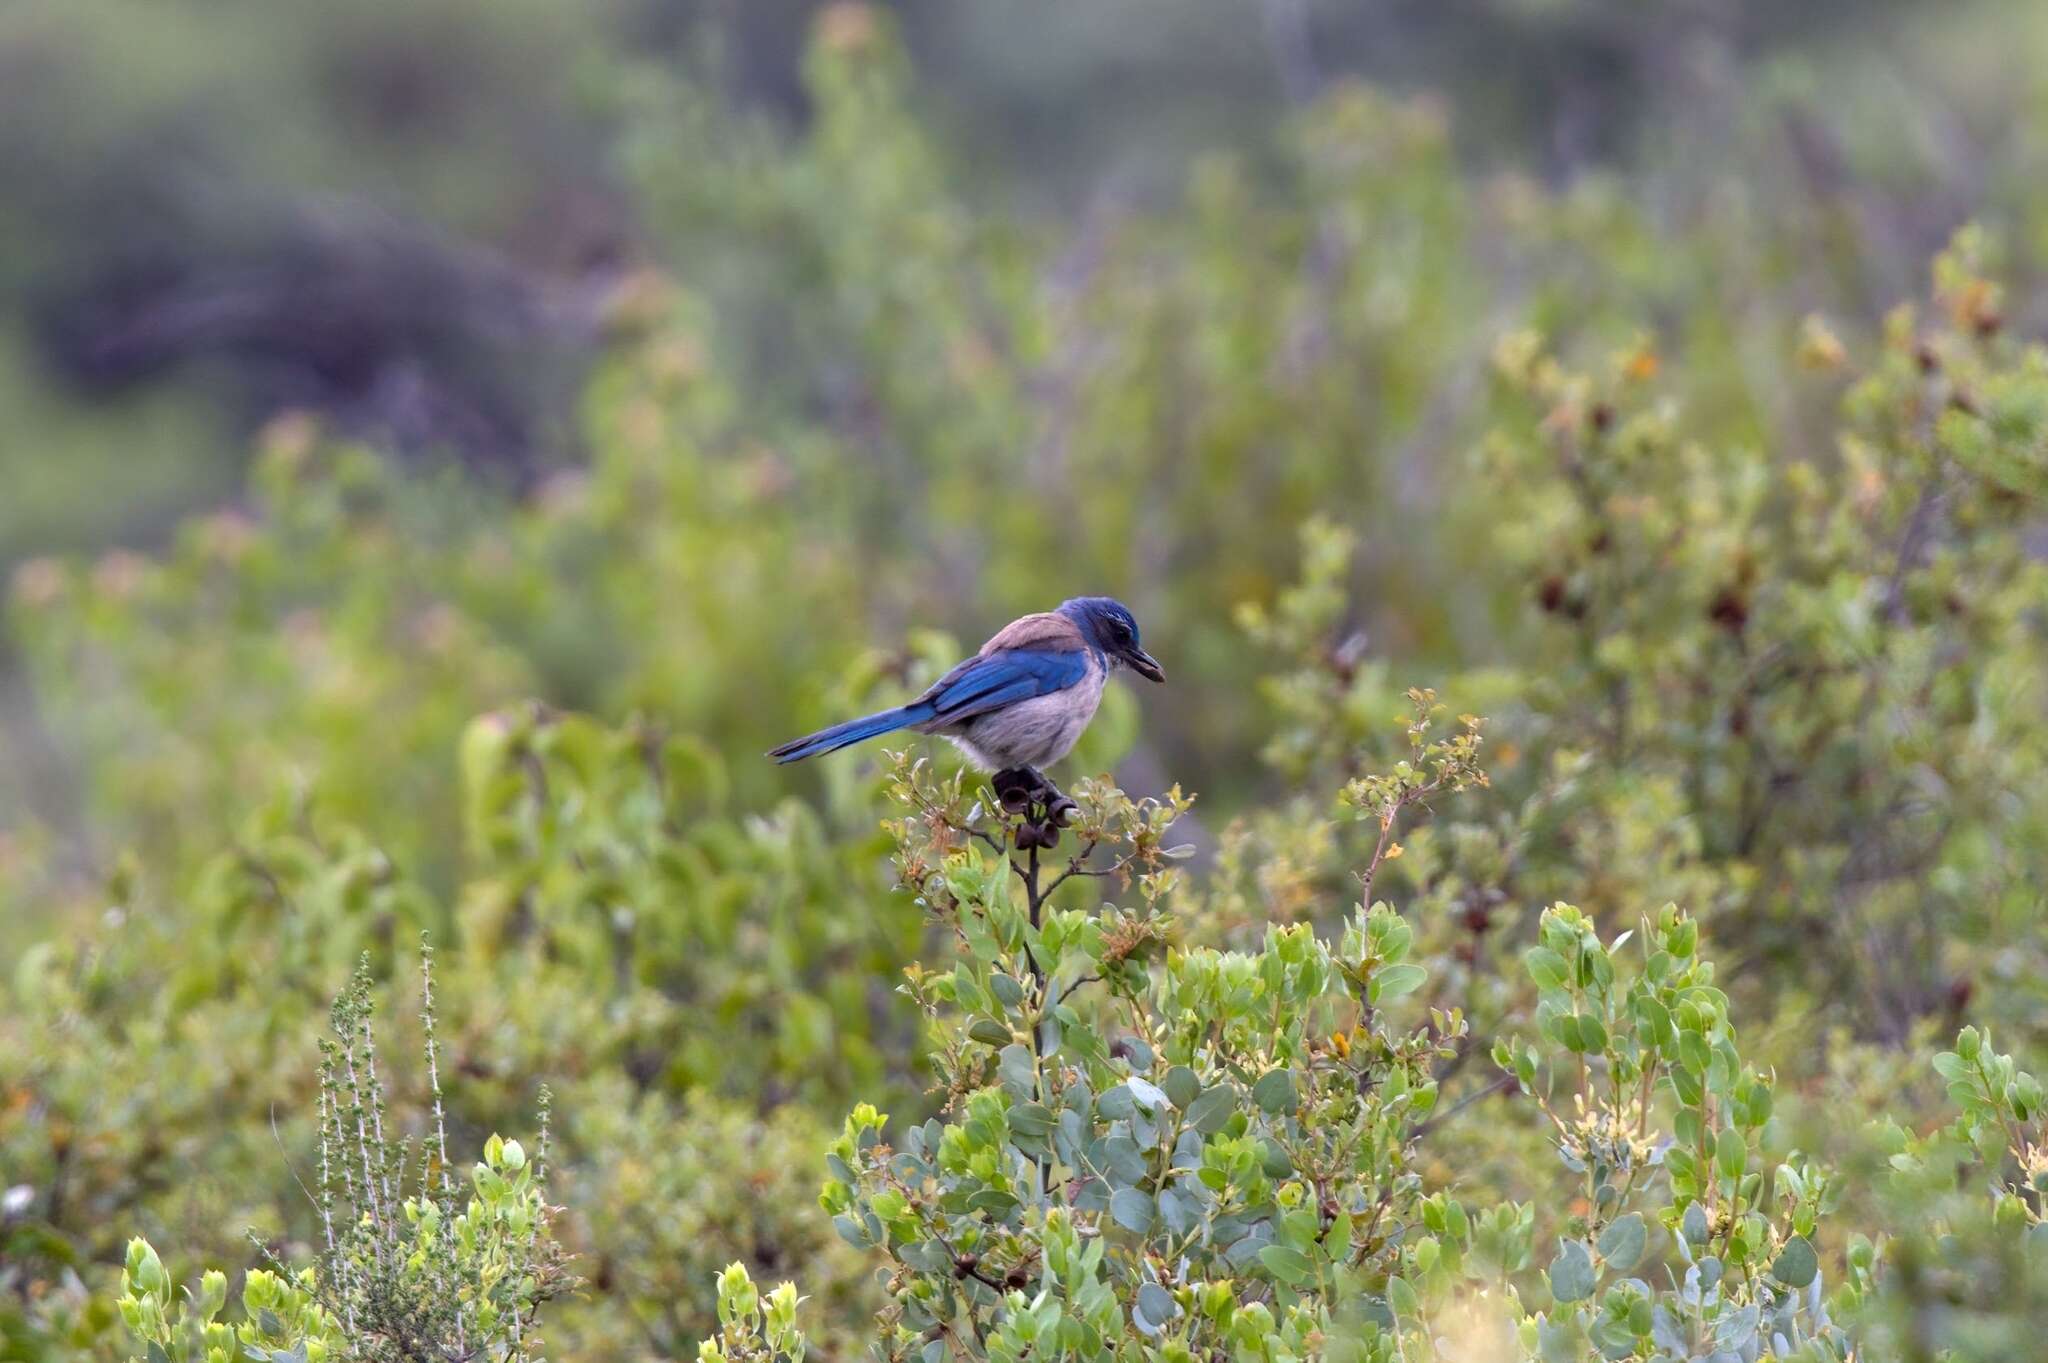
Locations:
(1744, 570)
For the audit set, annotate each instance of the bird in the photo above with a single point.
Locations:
(1021, 702)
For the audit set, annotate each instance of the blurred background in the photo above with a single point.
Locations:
(714, 368)
(419, 225)
(409, 218)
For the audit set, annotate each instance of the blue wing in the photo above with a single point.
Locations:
(986, 682)
(994, 680)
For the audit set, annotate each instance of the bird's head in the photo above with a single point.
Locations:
(1108, 623)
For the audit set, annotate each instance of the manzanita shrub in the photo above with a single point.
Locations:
(1149, 1147)
(1829, 657)
(1152, 1147)
(1960, 1232)
(1693, 1242)
(751, 1328)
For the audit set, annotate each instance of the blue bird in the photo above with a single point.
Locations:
(1023, 700)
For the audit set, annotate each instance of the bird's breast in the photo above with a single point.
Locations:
(1039, 731)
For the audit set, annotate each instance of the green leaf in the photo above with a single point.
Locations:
(1545, 967)
(1211, 1112)
(1796, 1263)
(990, 1033)
(1122, 1162)
(1655, 1020)
(268, 1323)
(928, 1256)
(1146, 1092)
(1622, 1244)
(1391, 982)
(1177, 1211)
(1559, 1341)
(1157, 1304)
(1181, 1085)
(1289, 1266)
(1735, 1329)
(1131, 1208)
(1571, 1272)
(1731, 1153)
(1031, 1119)
(1275, 1091)
(966, 989)
(1401, 1299)
(1017, 1069)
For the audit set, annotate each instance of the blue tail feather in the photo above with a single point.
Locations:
(852, 731)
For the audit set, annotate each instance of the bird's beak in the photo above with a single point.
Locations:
(1145, 665)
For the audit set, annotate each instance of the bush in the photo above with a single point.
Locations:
(1150, 1147)
(610, 900)
(1153, 1148)
(1752, 601)
(439, 1274)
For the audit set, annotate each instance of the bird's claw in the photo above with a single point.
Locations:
(1015, 789)
(1024, 790)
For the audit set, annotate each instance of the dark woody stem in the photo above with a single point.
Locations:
(1036, 894)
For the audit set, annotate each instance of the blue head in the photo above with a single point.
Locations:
(1108, 624)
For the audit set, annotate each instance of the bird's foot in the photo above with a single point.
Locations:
(1016, 788)
(1026, 791)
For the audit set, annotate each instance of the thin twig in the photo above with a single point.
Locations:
(1085, 979)
(1499, 1084)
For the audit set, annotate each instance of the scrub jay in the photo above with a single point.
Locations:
(1017, 705)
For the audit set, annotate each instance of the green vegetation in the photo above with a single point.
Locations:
(1650, 1017)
